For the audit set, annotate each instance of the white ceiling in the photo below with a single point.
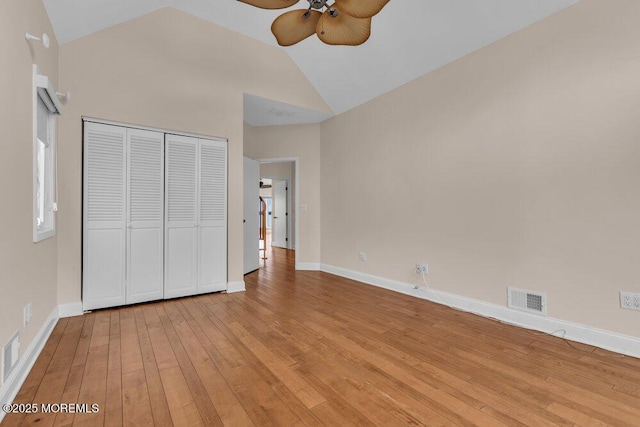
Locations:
(409, 38)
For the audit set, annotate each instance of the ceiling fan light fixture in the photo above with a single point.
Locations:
(317, 4)
(348, 22)
(343, 29)
(270, 4)
(362, 8)
(294, 26)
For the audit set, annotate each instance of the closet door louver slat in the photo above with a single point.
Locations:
(181, 225)
(154, 215)
(212, 230)
(145, 202)
(104, 216)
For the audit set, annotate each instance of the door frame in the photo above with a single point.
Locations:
(288, 237)
(296, 178)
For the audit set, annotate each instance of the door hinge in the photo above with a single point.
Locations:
(286, 188)
(286, 239)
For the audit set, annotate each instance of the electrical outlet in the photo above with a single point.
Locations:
(363, 256)
(26, 315)
(630, 300)
(422, 268)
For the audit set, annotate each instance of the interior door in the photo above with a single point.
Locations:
(279, 227)
(181, 225)
(251, 215)
(104, 214)
(212, 216)
(145, 215)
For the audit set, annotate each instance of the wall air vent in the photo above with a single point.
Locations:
(10, 356)
(529, 301)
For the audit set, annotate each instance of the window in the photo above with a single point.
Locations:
(44, 204)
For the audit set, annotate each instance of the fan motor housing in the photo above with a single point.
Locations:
(317, 4)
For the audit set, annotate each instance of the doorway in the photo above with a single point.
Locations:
(282, 174)
(279, 173)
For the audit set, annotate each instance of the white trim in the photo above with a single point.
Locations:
(154, 129)
(10, 388)
(308, 266)
(235, 287)
(608, 340)
(71, 309)
(42, 82)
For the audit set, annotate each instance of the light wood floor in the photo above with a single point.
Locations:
(309, 348)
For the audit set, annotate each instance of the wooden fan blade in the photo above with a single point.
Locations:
(270, 4)
(361, 8)
(295, 26)
(343, 29)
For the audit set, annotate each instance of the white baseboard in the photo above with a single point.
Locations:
(608, 340)
(12, 385)
(235, 287)
(70, 309)
(309, 266)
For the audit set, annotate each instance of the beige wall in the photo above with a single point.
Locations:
(27, 269)
(302, 141)
(174, 71)
(516, 165)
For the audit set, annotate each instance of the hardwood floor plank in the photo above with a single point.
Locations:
(113, 401)
(94, 380)
(33, 382)
(197, 389)
(136, 404)
(136, 407)
(225, 401)
(308, 348)
(181, 405)
(157, 399)
(55, 378)
(252, 383)
(76, 372)
(280, 369)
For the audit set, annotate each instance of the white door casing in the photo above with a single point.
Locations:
(279, 218)
(251, 214)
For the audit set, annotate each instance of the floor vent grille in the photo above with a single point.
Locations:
(529, 301)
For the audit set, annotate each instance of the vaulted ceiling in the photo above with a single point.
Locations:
(409, 38)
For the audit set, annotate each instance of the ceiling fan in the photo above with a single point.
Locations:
(345, 22)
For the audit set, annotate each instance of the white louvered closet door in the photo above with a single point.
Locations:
(145, 215)
(181, 224)
(212, 216)
(104, 215)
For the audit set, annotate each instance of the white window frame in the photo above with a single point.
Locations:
(43, 91)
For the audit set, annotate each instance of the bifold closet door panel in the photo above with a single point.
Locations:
(181, 237)
(104, 216)
(212, 216)
(145, 215)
